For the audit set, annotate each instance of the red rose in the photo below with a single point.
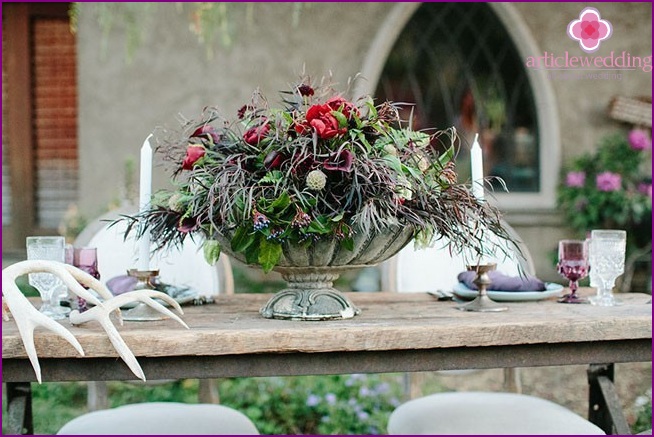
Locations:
(193, 153)
(254, 135)
(320, 118)
(343, 106)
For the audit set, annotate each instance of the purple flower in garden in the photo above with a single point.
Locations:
(639, 139)
(645, 188)
(330, 398)
(362, 415)
(575, 179)
(608, 181)
(312, 400)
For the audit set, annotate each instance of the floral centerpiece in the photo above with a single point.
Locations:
(322, 175)
(611, 188)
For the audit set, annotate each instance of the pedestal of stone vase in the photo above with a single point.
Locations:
(309, 296)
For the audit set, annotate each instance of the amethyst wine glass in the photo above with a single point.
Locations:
(573, 264)
(86, 259)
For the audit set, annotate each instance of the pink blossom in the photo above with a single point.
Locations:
(639, 139)
(645, 188)
(575, 179)
(608, 181)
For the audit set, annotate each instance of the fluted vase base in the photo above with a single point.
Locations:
(309, 295)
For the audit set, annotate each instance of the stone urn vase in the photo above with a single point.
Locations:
(311, 270)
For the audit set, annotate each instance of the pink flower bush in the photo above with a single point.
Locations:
(607, 181)
(590, 30)
(575, 179)
(639, 139)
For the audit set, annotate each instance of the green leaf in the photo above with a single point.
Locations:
(281, 203)
(242, 239)
(211, 249)
(446, 156)
(269, 254)
(348, 243)
(342, 120)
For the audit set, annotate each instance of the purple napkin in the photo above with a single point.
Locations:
(502, 282)
(121, 284)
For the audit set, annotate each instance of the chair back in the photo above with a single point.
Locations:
(183, 266)
(435, 268)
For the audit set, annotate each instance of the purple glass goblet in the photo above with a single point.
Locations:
(573, 264)
(86, 259)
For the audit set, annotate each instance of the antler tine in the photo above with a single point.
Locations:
(101, 315)
(28, 318)
(67, 273)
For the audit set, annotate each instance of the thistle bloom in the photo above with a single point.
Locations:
(639, 139)
(608, 181)
(316, 180)
(575, 179)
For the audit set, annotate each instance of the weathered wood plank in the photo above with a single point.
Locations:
(389, 321)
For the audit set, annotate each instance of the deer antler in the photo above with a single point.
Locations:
(28, 318)
(101, 315)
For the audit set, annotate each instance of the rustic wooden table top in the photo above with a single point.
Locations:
(394, 332)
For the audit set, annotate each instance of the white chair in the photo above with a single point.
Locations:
(436, 268)
(485, 413)
(162, 418)
(185, 266)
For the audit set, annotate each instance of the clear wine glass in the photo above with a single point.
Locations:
(607, 257)
(48, 284)
(574, 265)
(86, 259)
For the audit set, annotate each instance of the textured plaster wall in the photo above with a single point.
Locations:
(120, 103)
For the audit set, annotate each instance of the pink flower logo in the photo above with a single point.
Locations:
(590, 30)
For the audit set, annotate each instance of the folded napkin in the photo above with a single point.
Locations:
(502, 282)
(124, 283)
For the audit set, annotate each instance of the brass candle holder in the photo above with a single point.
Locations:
(482, 303)
(146, 279)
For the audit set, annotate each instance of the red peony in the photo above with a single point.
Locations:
(325, 124)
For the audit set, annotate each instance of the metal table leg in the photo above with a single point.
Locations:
(604, 408)
(19, 408)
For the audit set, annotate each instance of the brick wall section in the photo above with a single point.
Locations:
(55, 119)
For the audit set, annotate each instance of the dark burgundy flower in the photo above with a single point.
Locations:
(188, 224)
(207, 132)
(305, 90)
(274, 160)
(254, 135)
(343, 106)
(241, 112)
(193, 153)
(341, 161)
(325, 124)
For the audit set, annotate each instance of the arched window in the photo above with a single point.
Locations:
(459, 65)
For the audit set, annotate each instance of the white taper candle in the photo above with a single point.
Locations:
(477, 169)
(145, 193)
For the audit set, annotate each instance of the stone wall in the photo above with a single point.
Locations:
(121, 102)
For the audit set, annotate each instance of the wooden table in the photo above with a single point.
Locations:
(395, 332)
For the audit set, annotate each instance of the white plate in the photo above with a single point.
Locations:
(551, 289)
